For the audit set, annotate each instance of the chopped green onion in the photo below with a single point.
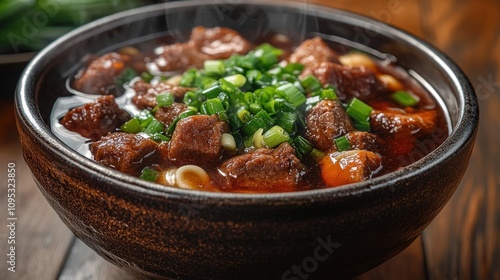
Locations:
(317, 154)
(149, 174)
(154, 126)
(262, 114)
(165, 99)
(214, 106)
(214, 67)
(303, 147)
(342, 143)
(212, 92)
(147, 77)
(275, 136)
(254, 108)
(237, 80)
(131, 126)
(228, 142)
(328, 93)
(294, 68)
(362, 125)
(253, 125)
(311, 84)
(292, 94)
(158, 137)
(228, 87)
(358, 110)
(258, 139)
(189, 78)
(286, 120)
(404, 98)
(244, 116)
(127, 75)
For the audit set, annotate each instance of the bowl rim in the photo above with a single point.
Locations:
(465, 127)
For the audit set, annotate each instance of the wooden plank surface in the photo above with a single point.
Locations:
(463, 242)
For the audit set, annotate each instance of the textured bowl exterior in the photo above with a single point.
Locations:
(161, 232)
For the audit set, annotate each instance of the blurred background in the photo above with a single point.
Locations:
(26, 26)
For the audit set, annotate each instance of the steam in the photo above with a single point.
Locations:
(251, 20)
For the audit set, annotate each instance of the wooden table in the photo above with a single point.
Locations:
(463, 242)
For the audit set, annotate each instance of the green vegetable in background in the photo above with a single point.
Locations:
(29, 25)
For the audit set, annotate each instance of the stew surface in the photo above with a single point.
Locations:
(220, 113)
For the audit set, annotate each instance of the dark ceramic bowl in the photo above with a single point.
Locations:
(157, 231)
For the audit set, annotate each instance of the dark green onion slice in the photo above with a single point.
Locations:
(292, 94)
(149, 174)
(342, 143)
(132, 126)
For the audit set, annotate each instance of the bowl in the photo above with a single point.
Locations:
(163, 232)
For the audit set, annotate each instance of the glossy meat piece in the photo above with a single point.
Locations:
(326, 121)
(311, 53)
(204, 44)
(179, 57)
(219, 42)
(95, 119)
(398, 122)
(197, 140)
(340, 168)
(361, 140)
(128, 153)
(360, 82)
(145, 93)
(167, 114)
(263, 170)
(100, 76)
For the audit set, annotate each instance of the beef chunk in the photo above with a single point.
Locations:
(167, 114)
(95, 119)
(264, 170)
(419, 124)
(180, 57)
(145, 93)
(128, 153)
(326, 121)
(361, 140)
(218, 42)
(340, 168)
(204, 44)
(360, 82)
(101, 74)
(197, 140)
(311, 53)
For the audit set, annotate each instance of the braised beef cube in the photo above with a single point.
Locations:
(145, 93)
(263, 170)
(362, 140)
(197, 140)
(167, 114)
(95, 119)
(128, 153)
(360, 82)
(394, 122)
(101, 74)
(218, 42)
(340, 168)
(311, 53)
(179, 57)
(326, 121)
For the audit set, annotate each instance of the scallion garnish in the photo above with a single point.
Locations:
(237, 80)
(215, 67)
(360, 112)
(275, 136)
(165, 99)
(150, 174)
(292, 94)
(404, 98)
(342, 143)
